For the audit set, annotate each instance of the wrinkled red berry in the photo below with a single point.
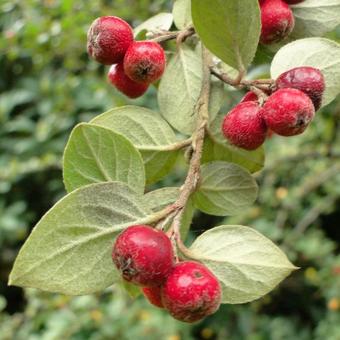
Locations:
(277, 21)
(293, 2)
(306, 79)
(108, 39)
(144, 61)
(244, 126)
(288, 112)
(250, 96)
(143, 255)
(124, 84)
(191, 292)
(153, 294)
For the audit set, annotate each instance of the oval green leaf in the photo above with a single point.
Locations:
(247, 264)
(149, 133)
(225, 189)
(214, 150)
(159, 22)
(182, 13)
(69, 250)
(229, 29)
(314, 18)
(180, 88)
(95, 154)
(320, 53)
(158, 199)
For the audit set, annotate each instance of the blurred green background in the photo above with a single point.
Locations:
(47, 85)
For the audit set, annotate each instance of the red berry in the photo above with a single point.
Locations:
(191, 292)
(277, 21)
(108, 39)
(288, 112)
(250, 96)
(143, 255)
(153, 294)
(244, 126)
(124, 84)
(306, 79)
(293, 2)
(144, 61)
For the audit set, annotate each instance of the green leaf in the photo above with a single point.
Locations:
(247, 264)
(69, 250)
(216, 150)
(320, 53)
(159, 22)
(95, 154)
(314, 18)
(229, 29)
(180, 88)
(149, 133)
(225, 189)
(160, 198)
(182, 13)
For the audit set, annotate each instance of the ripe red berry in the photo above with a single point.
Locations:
(293, 2)
(144, 61)
(108, 39)
(306, 79)
(143, 255)
(250, 96)
(124, 84)
(153, 294)
(277, 21)
(244, 126)
(288, 112)
(191, 292)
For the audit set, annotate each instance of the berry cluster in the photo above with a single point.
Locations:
(295, 97)
(277, 20)
(187, 289)
(135, 64)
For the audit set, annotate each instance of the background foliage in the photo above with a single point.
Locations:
(48, 85)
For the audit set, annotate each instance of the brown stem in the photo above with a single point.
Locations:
(226, 78)
(167, 35)
(193, 175)
(260, 85)
(262, 96)
(175, 210)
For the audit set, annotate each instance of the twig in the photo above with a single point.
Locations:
(226, 78)
(193, 176)
(168, 35)
(259, 86)
(175, 210)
